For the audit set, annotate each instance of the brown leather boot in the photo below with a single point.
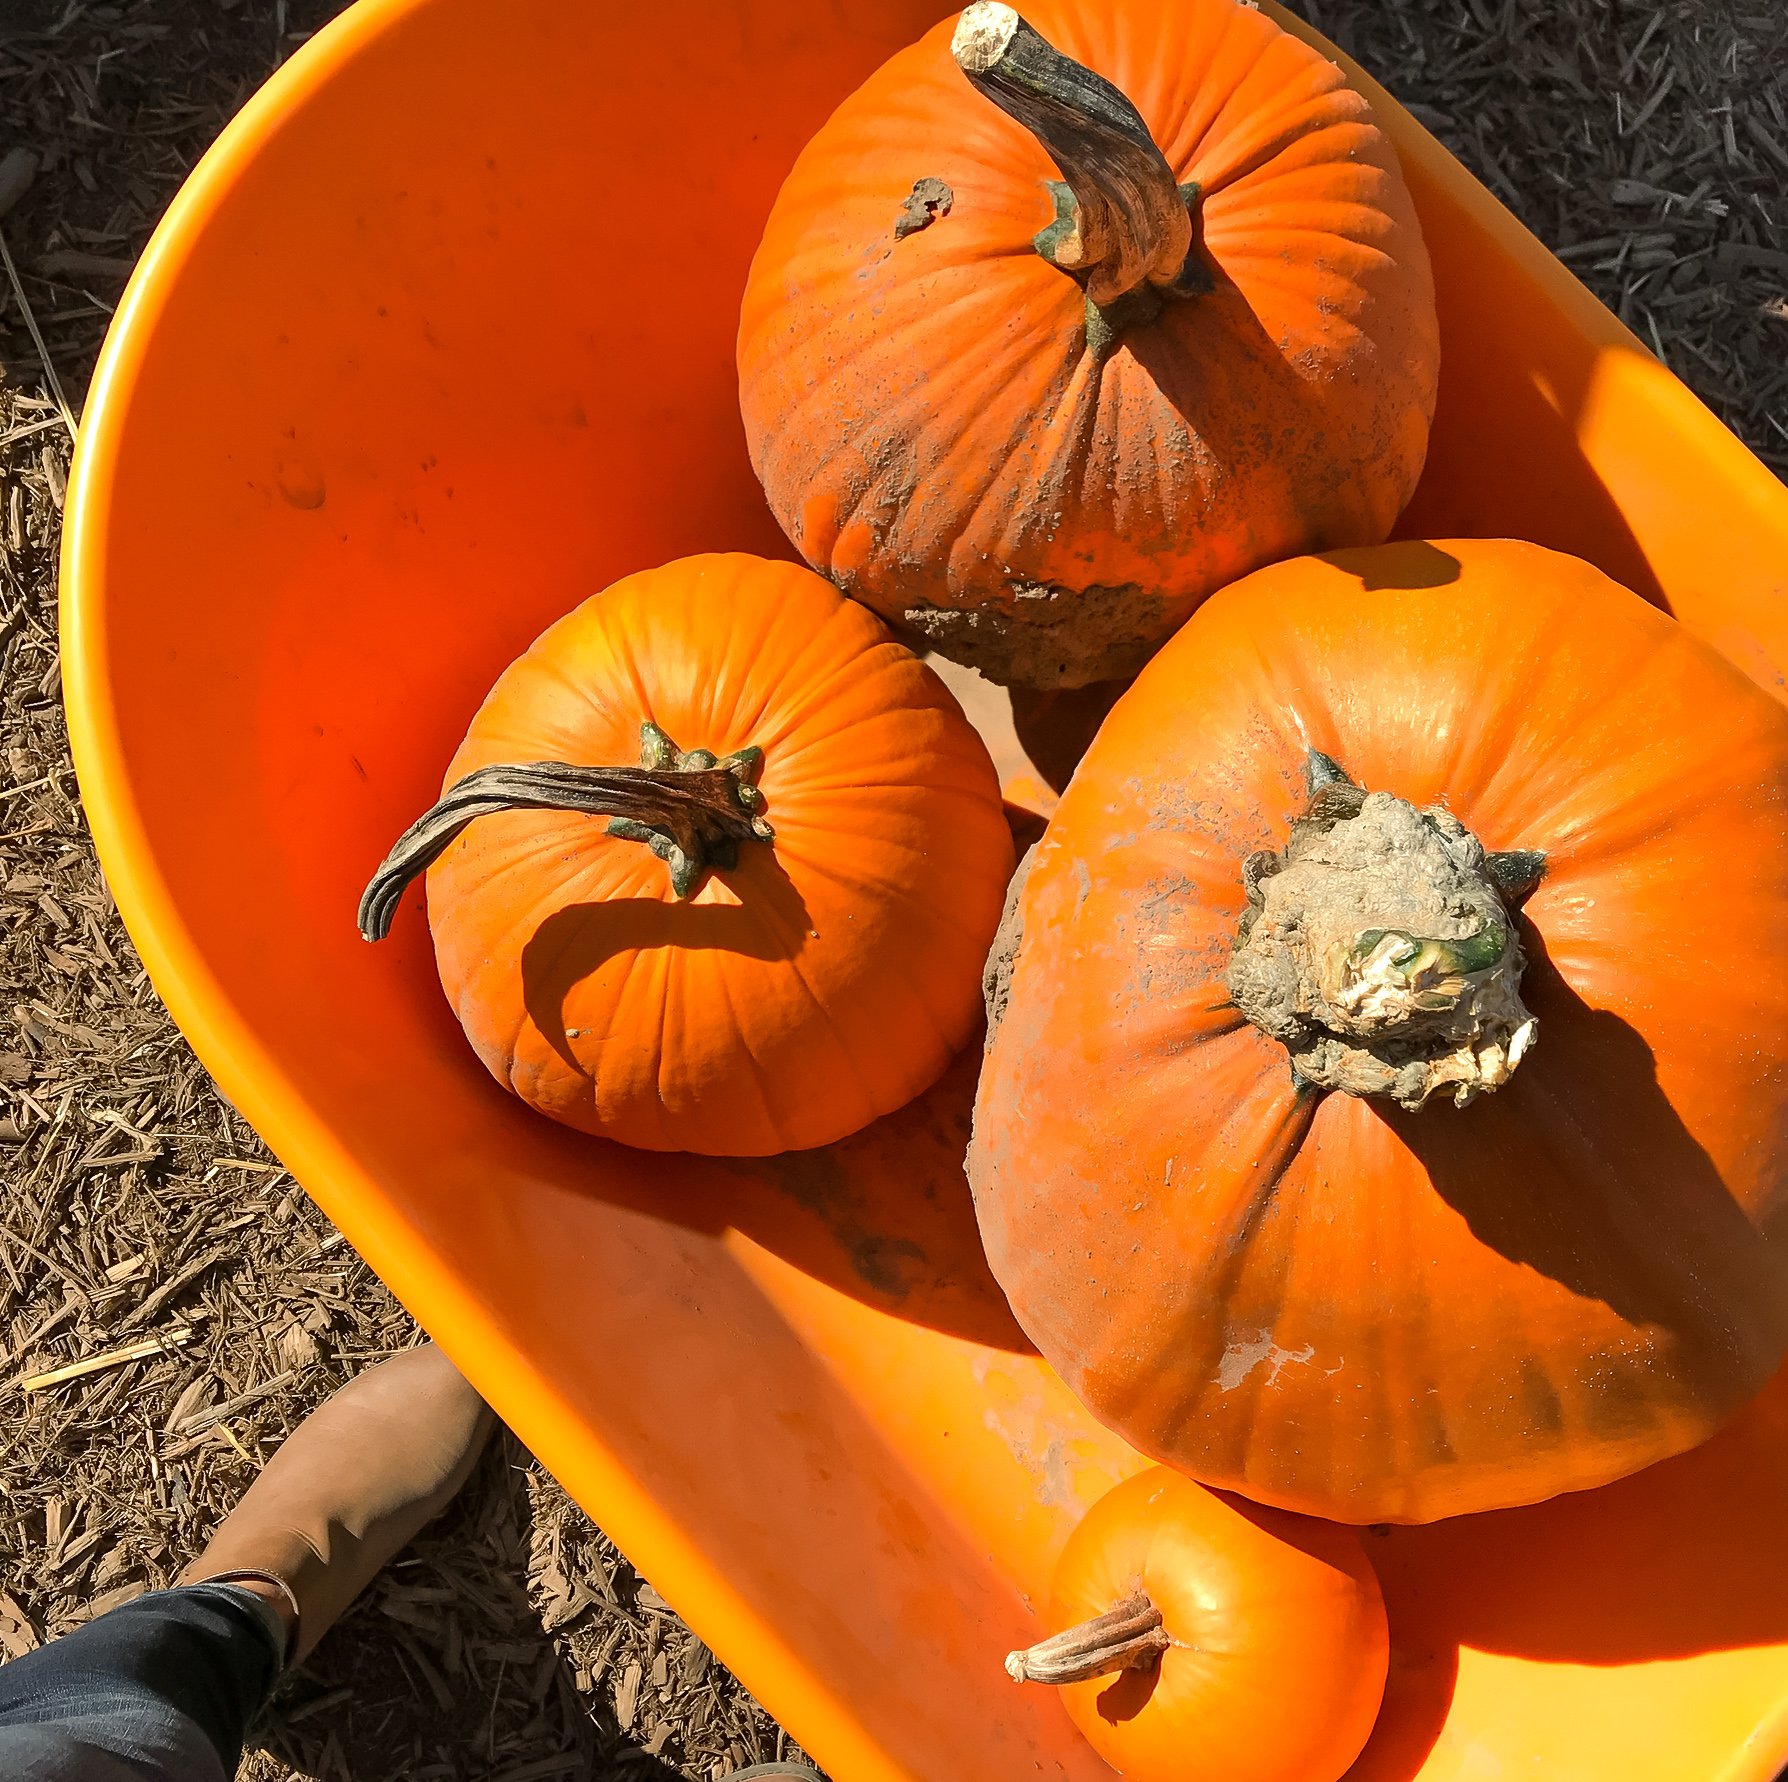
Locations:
(348, 1489)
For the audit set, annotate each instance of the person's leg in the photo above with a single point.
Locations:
(163, 1688)
(352, 1483)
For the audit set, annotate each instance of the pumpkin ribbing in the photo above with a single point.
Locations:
(1210, 1641)
(1047, 339)
(836, 855)
(1328, 1301)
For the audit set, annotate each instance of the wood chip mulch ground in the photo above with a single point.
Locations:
(186, 1299)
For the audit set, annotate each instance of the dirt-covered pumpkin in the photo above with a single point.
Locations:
(1063, 321)
(1211, 1641)
(716, 866)
(1388, 1112)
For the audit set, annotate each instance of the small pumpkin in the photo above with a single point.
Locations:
(756, 942)
(1389, 1114)
(1213, 1641)
(1040, 443)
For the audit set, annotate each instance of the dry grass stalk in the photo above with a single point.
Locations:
(174, 1338)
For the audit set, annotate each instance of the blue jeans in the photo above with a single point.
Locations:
(161, 1689)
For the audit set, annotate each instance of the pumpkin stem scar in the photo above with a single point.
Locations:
(1379, 946)
(1129, 1637)
(692, 809)
(1123, 225)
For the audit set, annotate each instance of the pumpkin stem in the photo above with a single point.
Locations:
(1122, 227)
(1380, 947)
(691, 809)
(1129, 1637)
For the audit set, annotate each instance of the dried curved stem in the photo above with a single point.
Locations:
(1123, 221)
(692, 810)
(1129, 1637)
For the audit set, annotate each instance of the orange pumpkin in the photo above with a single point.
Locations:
(1203, 1166)
(1212, 1641)
(1041, 443)
(763, 941)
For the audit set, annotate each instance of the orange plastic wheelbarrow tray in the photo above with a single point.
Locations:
(436, 342)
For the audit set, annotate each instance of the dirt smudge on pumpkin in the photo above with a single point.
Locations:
(1169, 961)
(1540, 1401)
(1161, 896)
(1002, 957)
(1044, 635)
(1174, 812)
(1241, 1359)
(929, 200)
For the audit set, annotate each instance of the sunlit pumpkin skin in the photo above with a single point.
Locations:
(1326, 1301)
(943, 428)
(1256, 1642)
(820, 982)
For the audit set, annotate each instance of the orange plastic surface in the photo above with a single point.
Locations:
(435, 342)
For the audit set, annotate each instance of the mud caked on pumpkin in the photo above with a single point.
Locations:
(1063, 321)
(1212, 1641)
(1387, 1113)
(716, 866)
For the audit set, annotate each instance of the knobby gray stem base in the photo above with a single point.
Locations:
(1380, 947)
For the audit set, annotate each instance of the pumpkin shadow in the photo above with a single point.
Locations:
(1055, 728)
(1410, 563)
(768, 921)
(1245, 404)
(1127, 1694)
(884, 1215)
(1418, 1697)
(1686, 1557)
(1603, 1188)
(1503, 458)
(1202, 384)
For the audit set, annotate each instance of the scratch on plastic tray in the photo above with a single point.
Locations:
(1020, 1420)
